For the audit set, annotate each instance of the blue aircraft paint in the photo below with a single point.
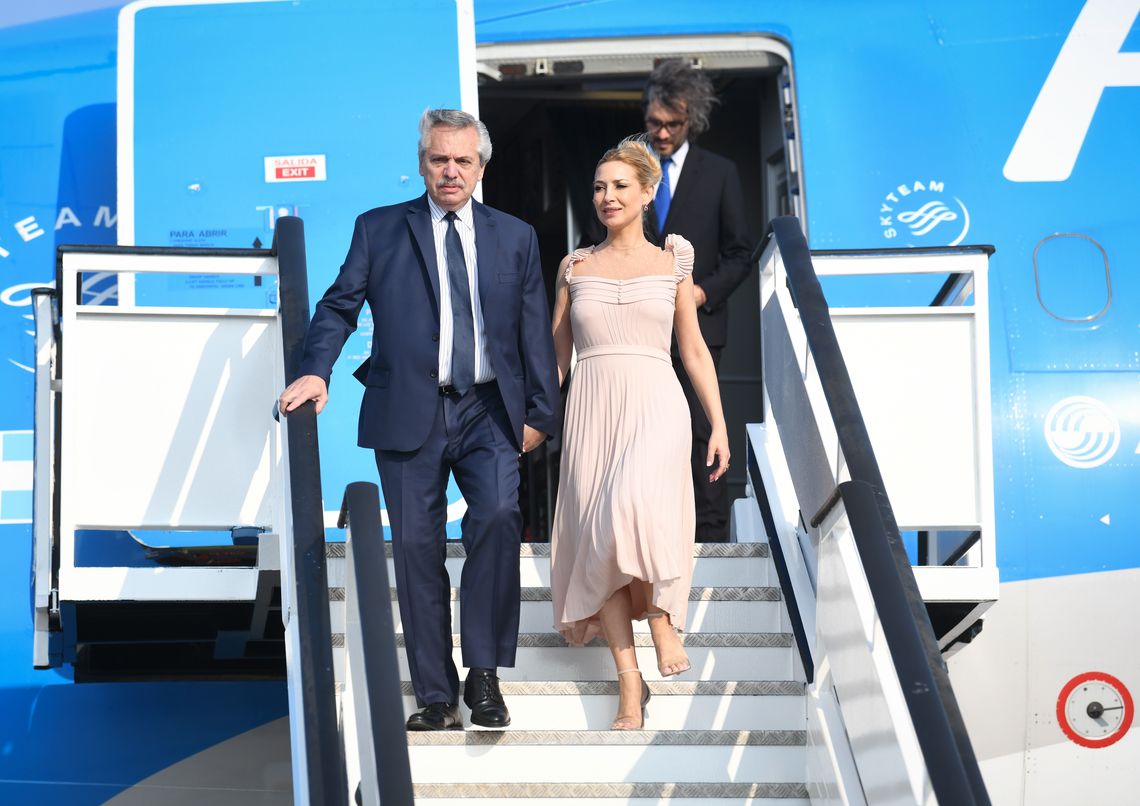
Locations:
(204, 128)
(890, 97)
(908, 97)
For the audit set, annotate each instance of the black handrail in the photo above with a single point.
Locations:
(950, 760)
(360, 514)
(783, 573)
(324, 756)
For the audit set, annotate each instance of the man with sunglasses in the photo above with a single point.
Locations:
(699, 198)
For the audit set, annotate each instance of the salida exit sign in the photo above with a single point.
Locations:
(300, 168)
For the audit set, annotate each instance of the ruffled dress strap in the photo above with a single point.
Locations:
(682, 256)
(577, 257)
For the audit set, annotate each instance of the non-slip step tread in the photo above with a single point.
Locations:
(566, 738)
(659, 688)
(612, 790)
(715, 550)
(717, 593)
(737, 640)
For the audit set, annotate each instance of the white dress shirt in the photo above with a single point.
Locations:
(675, 169)
(465, 225)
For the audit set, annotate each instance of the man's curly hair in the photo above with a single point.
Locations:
(679, 86)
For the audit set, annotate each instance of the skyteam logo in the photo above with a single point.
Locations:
(1082, 432)
(924, 214)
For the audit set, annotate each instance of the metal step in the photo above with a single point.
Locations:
(681, 756)
(715, 564)
(429, 795)
(719, 609)
(635, 794)
(729, 731)
(595, 662)
(681, 705)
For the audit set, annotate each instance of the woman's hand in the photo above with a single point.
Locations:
(718, 450)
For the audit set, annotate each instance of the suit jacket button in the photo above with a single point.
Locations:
(434, 374)
(435, 337)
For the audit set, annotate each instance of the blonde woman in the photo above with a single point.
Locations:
(623, 528)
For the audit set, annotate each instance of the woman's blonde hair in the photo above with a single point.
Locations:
(635, 152)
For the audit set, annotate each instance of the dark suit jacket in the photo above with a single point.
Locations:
(708, 210)
(391, 265)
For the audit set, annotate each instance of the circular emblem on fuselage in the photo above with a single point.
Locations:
(1095, 710)
(922, 213)
(1082, 432)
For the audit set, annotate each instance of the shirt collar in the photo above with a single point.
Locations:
(680, 154)
(464, 213)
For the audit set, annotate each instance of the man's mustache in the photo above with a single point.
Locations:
(451, 183)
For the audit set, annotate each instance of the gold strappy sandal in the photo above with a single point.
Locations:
(626, 722)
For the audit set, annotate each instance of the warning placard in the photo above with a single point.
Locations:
(301, 168)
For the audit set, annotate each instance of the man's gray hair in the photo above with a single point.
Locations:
(679, 86)
(454, 119)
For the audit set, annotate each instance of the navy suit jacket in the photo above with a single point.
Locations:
(391, 265)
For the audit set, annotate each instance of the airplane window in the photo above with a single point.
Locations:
(1071, 274)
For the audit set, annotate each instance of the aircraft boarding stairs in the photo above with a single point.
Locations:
(816, 675)
(178, 528)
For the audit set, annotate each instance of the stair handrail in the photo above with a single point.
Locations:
(46, 648)
(322, 779)
(938, 724)
(370, 643)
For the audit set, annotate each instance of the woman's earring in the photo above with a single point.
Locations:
(645, 208)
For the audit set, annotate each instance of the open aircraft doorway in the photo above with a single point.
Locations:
(553, 108)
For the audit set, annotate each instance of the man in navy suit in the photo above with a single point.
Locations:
(461, 378)
(699, 198)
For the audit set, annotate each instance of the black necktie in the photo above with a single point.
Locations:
(462, 321)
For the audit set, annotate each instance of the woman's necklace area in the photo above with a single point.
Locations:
(625, 251)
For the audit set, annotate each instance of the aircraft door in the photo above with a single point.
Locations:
(234, 114)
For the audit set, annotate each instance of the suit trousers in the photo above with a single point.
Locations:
(711, 498)
(470, 438)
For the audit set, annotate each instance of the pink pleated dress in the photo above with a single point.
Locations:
(625, 507)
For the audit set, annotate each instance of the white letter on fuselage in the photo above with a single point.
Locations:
(1089, 61)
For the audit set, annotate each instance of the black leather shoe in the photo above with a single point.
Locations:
(481, 694)
(437, 716)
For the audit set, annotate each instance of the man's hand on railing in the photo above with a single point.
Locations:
(301, 391)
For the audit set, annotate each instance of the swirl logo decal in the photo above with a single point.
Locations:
(923, 214)
(927, 217)
(1082, 432)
